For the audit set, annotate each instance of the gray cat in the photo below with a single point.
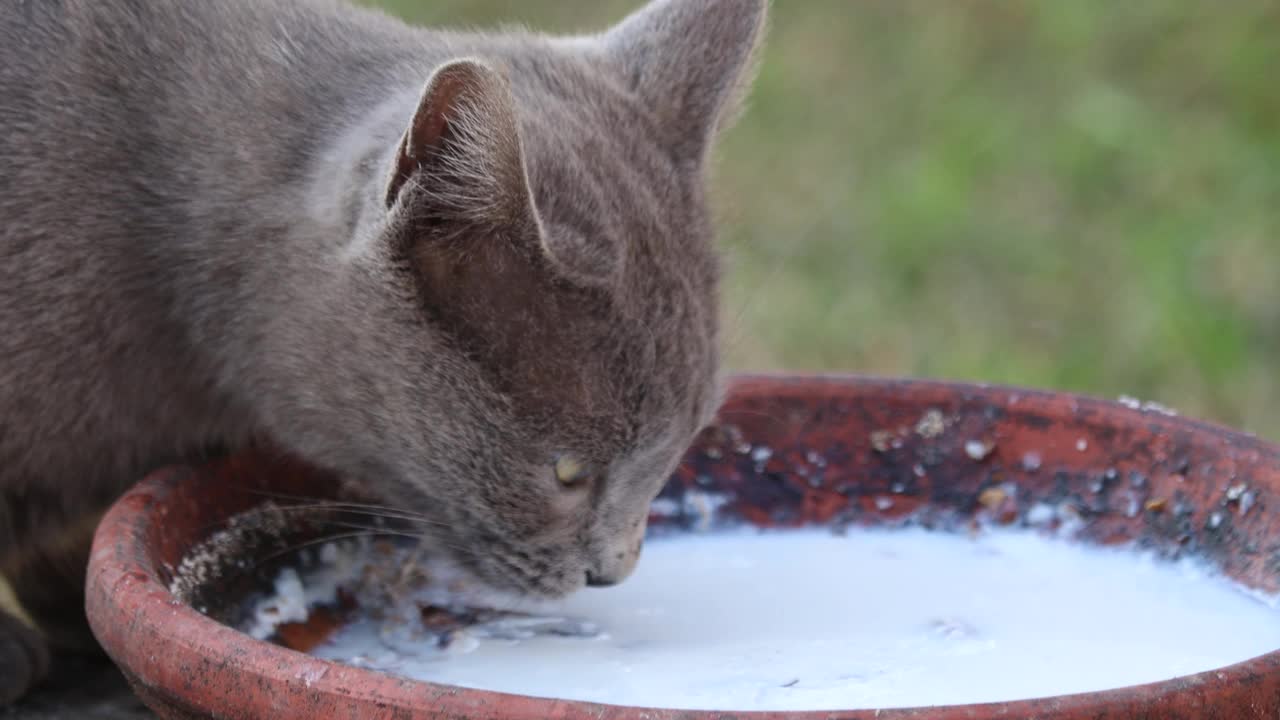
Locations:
(473, 272)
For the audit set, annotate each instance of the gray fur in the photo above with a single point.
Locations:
(218, 221)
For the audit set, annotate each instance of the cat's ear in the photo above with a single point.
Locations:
(462, 151)
(691, 61)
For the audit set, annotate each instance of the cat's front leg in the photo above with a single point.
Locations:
(24, 653)
(42, 599)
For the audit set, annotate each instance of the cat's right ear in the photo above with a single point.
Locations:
(462, 151)
(690, 62)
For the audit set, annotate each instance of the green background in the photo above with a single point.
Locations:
(1081, 195)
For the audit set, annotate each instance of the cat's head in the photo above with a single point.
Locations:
(546, 218)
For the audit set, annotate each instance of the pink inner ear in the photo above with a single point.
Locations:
(429, 125)
(432, 118)
(426, 133)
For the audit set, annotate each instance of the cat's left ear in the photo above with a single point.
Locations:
(462, 152)
(691, 62)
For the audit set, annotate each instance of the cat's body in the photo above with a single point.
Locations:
(231, 218)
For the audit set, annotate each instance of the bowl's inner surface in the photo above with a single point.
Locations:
(874, 611)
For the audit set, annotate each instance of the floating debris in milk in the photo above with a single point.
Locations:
(414, 605)
(1041, 514)
(806, 620)
(342, 566)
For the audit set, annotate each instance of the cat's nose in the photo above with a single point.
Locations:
(597, 580)
(615, 564)
(613, 557)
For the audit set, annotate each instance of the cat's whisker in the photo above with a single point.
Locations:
(321, 510)
(305, 499)
(389, 532)
(312, 542)
(355, 532)
(425, 544)
(359, 510)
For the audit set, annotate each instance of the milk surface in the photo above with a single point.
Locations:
(806, 620)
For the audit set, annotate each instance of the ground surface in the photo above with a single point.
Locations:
(81, 690)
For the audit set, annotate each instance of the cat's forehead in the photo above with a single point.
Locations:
(587, 130)
(615, 202)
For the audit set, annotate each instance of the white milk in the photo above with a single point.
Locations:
(806, 620)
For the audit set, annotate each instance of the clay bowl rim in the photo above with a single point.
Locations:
(126, 599)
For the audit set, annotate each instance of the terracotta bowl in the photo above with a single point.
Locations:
(788, 451)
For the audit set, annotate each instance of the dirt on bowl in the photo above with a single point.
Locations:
(169, 561)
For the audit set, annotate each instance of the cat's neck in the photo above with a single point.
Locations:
(342, 195)
(307, 266)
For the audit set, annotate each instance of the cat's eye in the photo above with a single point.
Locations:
(570, 472)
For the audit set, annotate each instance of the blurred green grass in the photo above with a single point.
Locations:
(1079, 195)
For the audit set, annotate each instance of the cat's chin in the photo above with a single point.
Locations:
(454, 582)
(525, 590)
(486, 580)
